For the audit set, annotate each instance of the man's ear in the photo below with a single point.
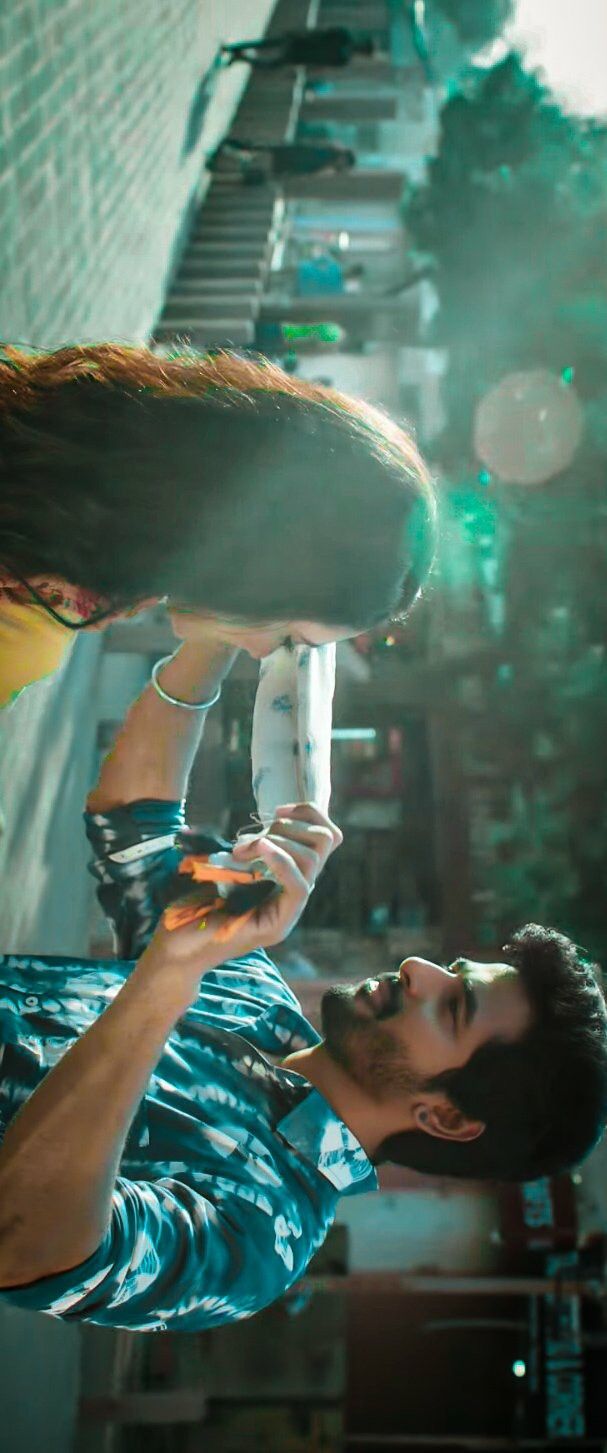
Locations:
(438, 1116)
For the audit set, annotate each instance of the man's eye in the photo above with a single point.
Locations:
(289, 643)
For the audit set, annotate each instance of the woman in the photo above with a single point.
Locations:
(258, 504)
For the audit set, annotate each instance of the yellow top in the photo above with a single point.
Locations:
(32, 645)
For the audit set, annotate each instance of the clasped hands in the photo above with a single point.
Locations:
(295, 849)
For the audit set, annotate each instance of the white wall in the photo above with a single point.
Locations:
(371, 376)
(415, 1230)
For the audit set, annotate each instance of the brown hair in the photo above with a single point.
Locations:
(219, 480)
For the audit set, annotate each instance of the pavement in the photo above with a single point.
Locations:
(47, 760)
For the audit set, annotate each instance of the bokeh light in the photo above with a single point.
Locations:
(528, 427)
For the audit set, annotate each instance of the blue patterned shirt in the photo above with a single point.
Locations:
(233, 1166)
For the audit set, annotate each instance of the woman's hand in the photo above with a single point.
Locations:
(195, 626)
(258, 640)
(295, 849)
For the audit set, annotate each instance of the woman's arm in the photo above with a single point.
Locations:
(155, 748)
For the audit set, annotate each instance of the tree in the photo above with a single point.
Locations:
(514, 214)
(477, 22)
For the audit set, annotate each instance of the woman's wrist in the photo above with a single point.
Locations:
(154, 751)
(196, 670)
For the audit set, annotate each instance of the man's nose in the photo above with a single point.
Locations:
(421, 977)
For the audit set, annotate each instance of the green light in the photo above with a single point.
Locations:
(519, 1368)
(567, 375)
(484, 477)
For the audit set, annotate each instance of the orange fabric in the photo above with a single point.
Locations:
(181, 914)
(202, 871)
(231, 926)
(192, 908)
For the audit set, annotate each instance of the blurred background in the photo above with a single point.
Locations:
(456, 276)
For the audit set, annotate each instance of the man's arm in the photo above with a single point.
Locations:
(60, 1156)
(54, 1148)
(153, 754)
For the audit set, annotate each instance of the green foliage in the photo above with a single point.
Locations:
(469, 534)
(477, 21)
(514, 213)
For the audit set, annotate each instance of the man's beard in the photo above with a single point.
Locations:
(363, 1047)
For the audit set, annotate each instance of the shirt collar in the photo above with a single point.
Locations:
(313, 1128)
(317, 1132)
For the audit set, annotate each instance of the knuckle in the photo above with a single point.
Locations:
(309, 809)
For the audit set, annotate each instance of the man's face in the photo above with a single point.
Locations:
(393, 1033)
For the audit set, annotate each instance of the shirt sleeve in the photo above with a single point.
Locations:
(134, 856)
(175, 1260)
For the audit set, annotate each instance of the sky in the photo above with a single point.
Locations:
(568, 42)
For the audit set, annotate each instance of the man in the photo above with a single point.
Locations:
(260, 160)
(334, 46)
(183, 1134)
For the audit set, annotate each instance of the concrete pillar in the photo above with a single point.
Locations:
(354, 186)
(344, 108)
(368, 15)
(377, 71)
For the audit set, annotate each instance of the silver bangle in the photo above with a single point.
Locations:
(173, 700)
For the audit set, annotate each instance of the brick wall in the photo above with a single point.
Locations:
(101, 151)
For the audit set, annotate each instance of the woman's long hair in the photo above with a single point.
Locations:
(218, 481)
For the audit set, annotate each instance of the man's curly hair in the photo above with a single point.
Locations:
(543, 1099)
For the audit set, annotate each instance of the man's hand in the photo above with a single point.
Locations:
(295, 849)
